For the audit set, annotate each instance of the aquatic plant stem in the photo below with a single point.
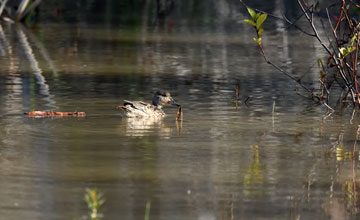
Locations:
(332, 55)
(343, 54)
(355, 142)
(337, 62)
(147, 210)
(273, 115)
(258, 41)
(355, 61)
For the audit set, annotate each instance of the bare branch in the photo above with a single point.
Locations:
(343, 55)
(284, 71)
(329, 107)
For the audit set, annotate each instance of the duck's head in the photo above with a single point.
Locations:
(162, 98)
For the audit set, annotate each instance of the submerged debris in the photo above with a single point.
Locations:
(179, 120)
(50, 113)
(237, 92)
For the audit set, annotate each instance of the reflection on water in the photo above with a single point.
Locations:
(40, 80)
(225, 160)
(253, 179)
(143, 127)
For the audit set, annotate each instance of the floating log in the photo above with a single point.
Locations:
(49, 113)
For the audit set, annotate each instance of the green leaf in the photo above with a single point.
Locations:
(260, 31)
(252, 13)
(250, 22)
(257, 40)
(322, 67)
(260, 20)
(343, 52)
(353, 39)
(257, 16)
(320, 63)
(351, 49)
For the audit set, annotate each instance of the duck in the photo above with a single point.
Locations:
(139, 109)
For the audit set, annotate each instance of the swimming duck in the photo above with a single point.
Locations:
(132, 109)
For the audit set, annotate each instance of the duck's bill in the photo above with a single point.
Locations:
(172, 102)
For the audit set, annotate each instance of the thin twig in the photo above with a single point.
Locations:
(331, 25)
(314, 29)
(247, 99)
(311, 21)
(292, 23)
(282, 70)
(347, 70)
(324, 86)
(356, 5)
(340, 18)
(325, 47)
(328, 107)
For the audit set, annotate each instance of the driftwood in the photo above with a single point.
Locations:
(50, 114)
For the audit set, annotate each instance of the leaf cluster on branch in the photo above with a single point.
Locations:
(342, 47)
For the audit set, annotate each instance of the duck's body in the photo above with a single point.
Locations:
(133, 109)
(139, 109)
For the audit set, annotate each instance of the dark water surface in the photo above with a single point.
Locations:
(223, 161)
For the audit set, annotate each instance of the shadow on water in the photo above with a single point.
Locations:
(277, 156)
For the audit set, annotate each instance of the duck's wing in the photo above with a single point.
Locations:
(134, 109)
(127, 102)
(136, 104)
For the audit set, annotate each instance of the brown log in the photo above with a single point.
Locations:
(49, 113)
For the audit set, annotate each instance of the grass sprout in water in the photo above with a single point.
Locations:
(94, 199)
(147, 210)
